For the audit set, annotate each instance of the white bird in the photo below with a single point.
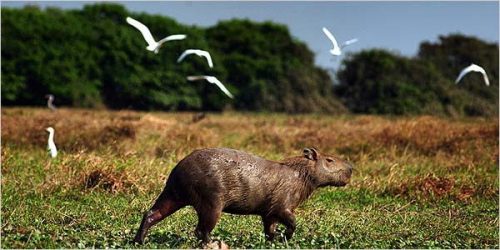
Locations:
(349, 42)
(336, 48)
(49, 102)
(152, 44)
(213, 80)
(475, 68)
(198, 52)
(51, 146)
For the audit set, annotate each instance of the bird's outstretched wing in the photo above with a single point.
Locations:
(143, 29)
(171, 38)
(462, 74)
(349, 42)
(473, 68)
(207, 56)
(182, 56)
(198, 53)
(477, 68)
(330, 36)
(213, 80)
(216, 81)
(486, 80)
(196, 78)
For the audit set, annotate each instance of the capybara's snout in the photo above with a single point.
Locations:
(348, 172)
(349, 168)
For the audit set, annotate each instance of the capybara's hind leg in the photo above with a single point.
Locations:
(162, 208)
(270, 224)
(207, 219)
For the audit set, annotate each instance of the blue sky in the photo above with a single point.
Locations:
(396, 26)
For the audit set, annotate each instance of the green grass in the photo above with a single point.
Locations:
(332, 218)
(399, 197)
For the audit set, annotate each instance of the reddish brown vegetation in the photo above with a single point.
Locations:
(428, 185)
(428, 156)
(430, 135)
(106, 180)
(74, 132)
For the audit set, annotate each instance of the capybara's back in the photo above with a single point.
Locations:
(235, 180)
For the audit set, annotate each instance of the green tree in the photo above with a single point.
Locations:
(453, 53)
(380, 82)
(270, 70)
(92, 57)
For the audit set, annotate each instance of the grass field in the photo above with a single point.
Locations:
(419, 182)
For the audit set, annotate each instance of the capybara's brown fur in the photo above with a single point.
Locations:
(216, 180)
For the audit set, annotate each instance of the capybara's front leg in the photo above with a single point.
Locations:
(207, 219)
(288, 219)
(270, 224)
(162, 208)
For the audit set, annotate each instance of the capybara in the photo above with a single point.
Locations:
(216, 180)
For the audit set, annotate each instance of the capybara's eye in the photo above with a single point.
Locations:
(330, 160)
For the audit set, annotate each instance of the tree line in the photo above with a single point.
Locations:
(380, 82)
(93, 58)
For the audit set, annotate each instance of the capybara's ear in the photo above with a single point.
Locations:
(311, 154)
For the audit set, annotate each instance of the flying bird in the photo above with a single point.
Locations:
(213, 80)
(152, 44)
(336, 48)
(198, 52)
(473, 68)
(51, 146)
(349, 42)
(50, 100)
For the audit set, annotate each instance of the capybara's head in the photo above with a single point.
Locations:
(329, 170)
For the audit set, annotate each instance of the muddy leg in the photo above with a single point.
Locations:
(162, 208)
(270, 224)
(207, 219)
(288, 219)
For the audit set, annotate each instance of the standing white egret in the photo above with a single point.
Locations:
(50, 100)
(473, 68)
(336, 48)
(152, 44)
(51, 146)
(198, 52)
(213, 80)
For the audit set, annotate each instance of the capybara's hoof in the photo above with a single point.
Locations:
(138, 241)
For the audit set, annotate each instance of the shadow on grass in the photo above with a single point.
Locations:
(168, 240)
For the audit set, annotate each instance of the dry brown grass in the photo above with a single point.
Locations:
(82, 129)
(125, 150)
